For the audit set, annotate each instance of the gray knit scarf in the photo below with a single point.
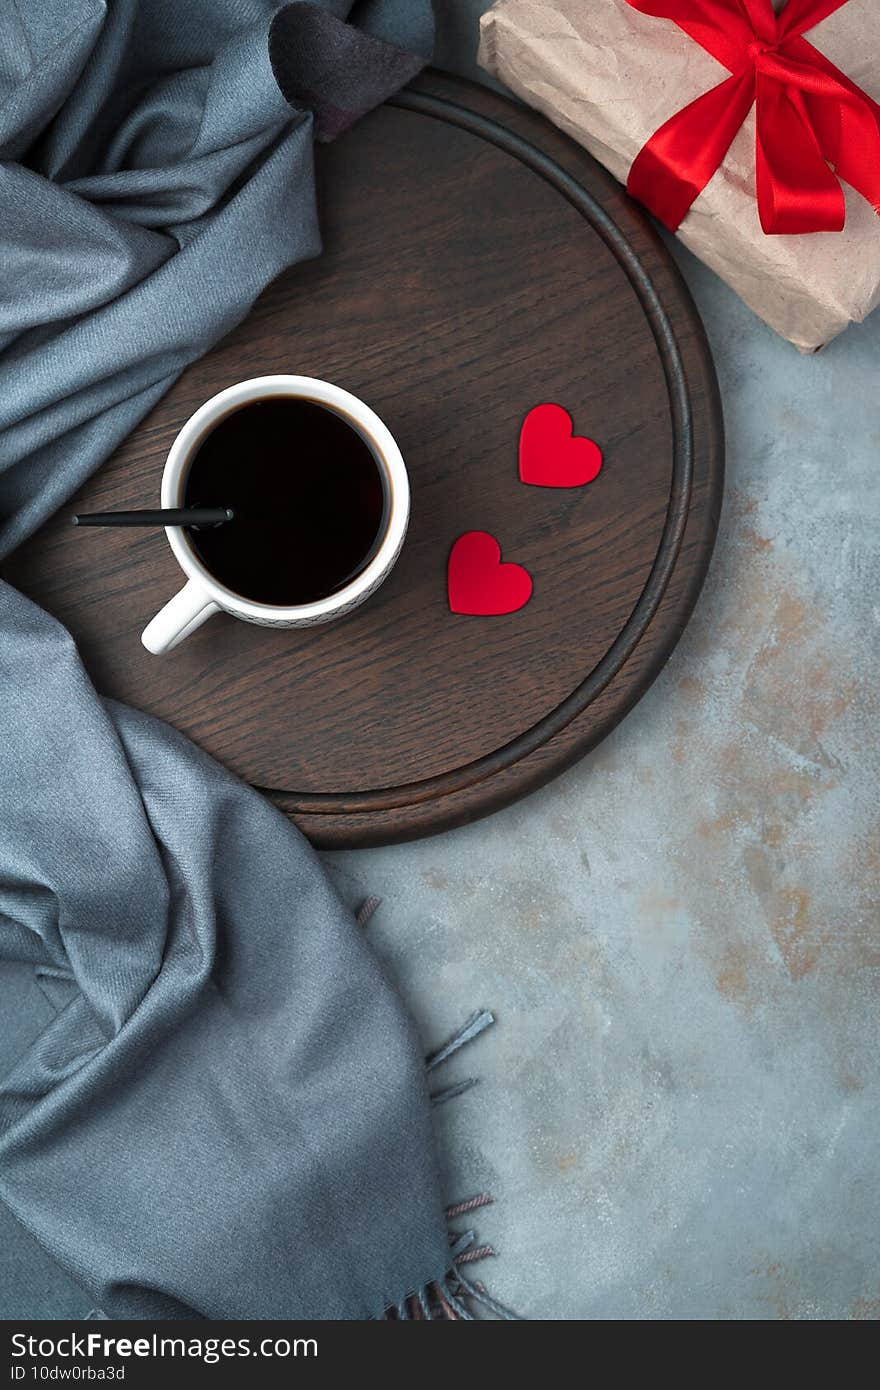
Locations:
(211, 1101)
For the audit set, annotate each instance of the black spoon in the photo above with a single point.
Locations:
(168, 516)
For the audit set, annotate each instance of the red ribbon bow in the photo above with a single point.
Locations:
(809, 116)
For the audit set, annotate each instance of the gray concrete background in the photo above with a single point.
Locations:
(678, 1112)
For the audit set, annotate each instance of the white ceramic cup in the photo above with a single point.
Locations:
(203, 594)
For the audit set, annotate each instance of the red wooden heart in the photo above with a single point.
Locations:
(478, 582)
(550, 455)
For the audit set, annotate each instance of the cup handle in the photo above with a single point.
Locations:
(180, 616)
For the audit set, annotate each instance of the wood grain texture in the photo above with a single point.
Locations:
(476, 263)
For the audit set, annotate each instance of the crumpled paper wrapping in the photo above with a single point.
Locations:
(610, 76)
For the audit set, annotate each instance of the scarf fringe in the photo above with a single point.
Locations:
(450, 1299)
(470, 1029)
(447, 1299)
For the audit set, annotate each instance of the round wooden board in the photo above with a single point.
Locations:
(476, 263)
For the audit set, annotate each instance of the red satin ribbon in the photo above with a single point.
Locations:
(809, 116)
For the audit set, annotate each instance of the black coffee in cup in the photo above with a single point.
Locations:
(309, 497)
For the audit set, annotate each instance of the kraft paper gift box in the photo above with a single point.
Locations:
(611, 76)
